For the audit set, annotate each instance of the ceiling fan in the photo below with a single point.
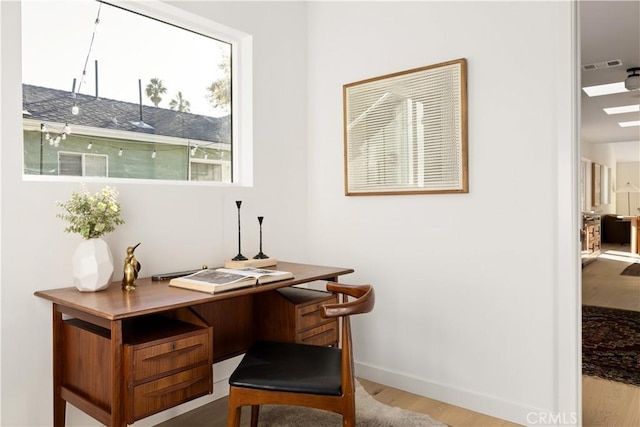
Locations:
(632, 82)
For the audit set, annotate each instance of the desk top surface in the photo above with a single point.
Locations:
(150, 296)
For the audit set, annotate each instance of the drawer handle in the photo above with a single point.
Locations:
(173, 352)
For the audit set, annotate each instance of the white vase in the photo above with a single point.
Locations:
(92, 265)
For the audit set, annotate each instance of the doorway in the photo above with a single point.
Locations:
(609, 40)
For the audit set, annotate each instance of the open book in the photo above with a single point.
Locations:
(226, 279)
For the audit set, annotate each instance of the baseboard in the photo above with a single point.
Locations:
(489, 405)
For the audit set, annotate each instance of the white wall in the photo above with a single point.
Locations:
(602, 154)
(1, 223)
(467, 285)
(180, 227)
(619, 157)
(628, 172)
(476, 297)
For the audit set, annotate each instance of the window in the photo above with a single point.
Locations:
(141, 91)
(201, 171)
(80, 164)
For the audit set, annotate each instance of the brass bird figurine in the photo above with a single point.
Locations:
(130, 270)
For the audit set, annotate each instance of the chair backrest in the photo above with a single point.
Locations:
(364, 302)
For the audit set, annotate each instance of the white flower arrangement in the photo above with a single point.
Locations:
(91, 216)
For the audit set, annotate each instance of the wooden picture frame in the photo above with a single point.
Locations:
(605, 185)
(596, 184)
(406, 132)
(584, 183)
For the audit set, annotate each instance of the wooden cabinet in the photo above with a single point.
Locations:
(293, 315)
(590, 235)
(166, 362)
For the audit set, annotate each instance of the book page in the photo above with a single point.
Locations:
(251, 272)
(216, 277)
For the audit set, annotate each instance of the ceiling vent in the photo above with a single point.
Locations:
(601, 65)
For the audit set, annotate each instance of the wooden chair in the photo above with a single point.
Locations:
(300, 374)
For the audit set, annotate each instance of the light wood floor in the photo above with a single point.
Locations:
(605, 403)
(215, 414)
(610, 403)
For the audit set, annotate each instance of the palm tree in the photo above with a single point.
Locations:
(154, 89)
(219, 92)
(180, 104)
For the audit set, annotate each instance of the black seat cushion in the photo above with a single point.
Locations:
(297, 368)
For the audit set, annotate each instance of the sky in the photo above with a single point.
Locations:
(57, 38)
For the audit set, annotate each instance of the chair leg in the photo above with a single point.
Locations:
(349, 416)
(255, 413)
(233, 416)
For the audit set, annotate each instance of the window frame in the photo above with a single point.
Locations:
(208, 162)
(83, 162)
(241, 94)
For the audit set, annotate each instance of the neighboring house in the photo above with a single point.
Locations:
(120, 139)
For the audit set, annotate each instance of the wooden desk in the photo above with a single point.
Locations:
(104, 336)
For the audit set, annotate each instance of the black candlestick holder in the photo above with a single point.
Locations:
(239, 257)
(260, 255)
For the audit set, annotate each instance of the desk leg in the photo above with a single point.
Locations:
(59, 404)
(635, 235)
(117, 376)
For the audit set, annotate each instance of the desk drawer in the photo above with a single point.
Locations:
(163, 393)
(323, 335)
(170, 355)
(309, 316)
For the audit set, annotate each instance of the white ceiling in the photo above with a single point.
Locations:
(610, 30)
